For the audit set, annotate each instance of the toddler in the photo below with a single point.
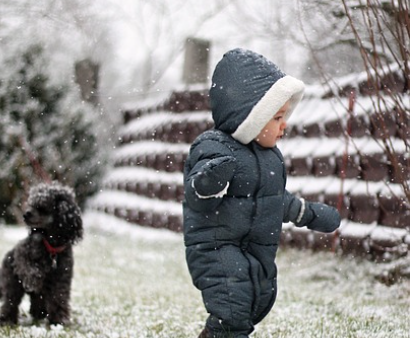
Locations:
(235, 197)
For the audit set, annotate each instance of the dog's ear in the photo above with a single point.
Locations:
(69, 215)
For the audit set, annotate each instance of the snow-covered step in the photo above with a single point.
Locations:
(167, 127)
(146, 182)
(164, 118)
(137, 209)
(314, 110)
(366, 158)
(362, 201)
(334, 186)
(121, 199)
(373, 240)
(157, 155)
(150, 147)
(324, 146)
(138, 174)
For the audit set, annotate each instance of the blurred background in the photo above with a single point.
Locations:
(70, 69)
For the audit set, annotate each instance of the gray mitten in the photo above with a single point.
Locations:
(214, 176)
(320, 217)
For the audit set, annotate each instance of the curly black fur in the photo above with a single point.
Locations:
(54, 216)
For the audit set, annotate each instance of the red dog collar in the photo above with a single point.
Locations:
(53, 250)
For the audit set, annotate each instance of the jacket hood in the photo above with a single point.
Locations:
(247, 91)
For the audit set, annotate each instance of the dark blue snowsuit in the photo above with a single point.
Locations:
(235, 197)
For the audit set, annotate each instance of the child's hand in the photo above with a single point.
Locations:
(213, 178)
(320, 217)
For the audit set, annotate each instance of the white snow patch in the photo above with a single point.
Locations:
(136, 174)
(115, 225)
(323, 146)
(157, 119)
(374, 231)
(332, 185)
(13, 233)
(125, 200)
(150, 147)
(314, 109)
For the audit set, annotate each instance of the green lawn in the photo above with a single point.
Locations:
(133, 282)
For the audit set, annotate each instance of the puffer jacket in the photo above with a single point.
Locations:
(235, 197)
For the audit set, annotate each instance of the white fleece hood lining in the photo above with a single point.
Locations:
(285, 89)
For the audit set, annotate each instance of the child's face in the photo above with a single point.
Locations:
(274, 129)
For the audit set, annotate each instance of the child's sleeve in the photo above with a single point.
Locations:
(313, 215)
(209, 171)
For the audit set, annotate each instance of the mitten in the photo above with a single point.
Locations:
(319, 217)
(214, 177)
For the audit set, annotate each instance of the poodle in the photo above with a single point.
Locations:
(41, 265)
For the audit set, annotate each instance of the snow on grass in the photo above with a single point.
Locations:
(133, 282)
(158, 119)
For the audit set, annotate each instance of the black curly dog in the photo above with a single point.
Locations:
(41, 265)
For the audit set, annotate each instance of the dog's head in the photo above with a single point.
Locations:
(52, 210)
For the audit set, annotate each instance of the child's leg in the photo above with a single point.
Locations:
(219, 331)
(222, 273)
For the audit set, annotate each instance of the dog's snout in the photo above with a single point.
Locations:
(27, 215)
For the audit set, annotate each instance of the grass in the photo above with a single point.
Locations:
(133, 282)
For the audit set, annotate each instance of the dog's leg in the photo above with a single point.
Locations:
(37, 306)
(12, 295)
(57, 304)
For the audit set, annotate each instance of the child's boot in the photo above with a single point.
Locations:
(205, 333)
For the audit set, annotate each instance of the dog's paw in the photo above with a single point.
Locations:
(59, 322)
(7, 321)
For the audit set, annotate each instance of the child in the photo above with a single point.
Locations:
(235, 197)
